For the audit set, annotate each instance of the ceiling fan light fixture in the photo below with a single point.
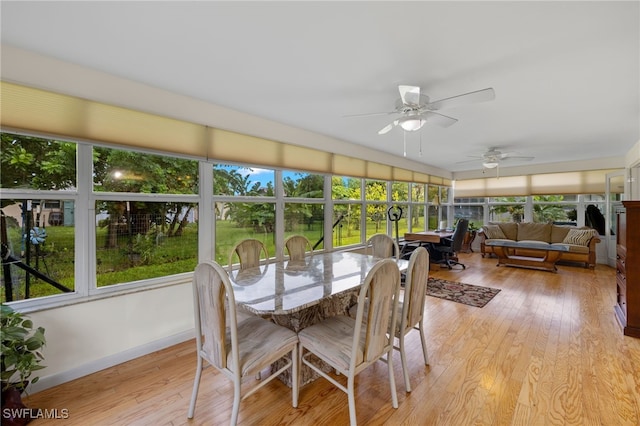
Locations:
(411, 124)
(490, 164)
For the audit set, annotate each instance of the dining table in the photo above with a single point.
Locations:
(300, 293)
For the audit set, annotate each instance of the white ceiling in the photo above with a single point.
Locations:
(566, 74)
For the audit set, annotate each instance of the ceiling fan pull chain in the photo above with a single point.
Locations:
(404, 141)
(420, 153)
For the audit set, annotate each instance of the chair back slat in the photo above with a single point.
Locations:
(214, 301)
(249, 252)
(382, 245)
(381, 288)
(297, 246)
(416, 287)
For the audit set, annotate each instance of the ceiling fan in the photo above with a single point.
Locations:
(493, 157)
(415, 109)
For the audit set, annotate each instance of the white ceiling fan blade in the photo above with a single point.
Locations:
(387, 128)
(475, 160)
(439, 119)
(369, 114)
(410, 95)
(517, 157)
(464, 99)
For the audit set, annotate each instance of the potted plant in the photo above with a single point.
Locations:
(20, 357)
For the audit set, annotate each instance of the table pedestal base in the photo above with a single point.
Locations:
(338, 304)
(507, 258)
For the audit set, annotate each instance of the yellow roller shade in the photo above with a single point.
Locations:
(578, 182)
(42, 112)
(492, 187)
(69, 117)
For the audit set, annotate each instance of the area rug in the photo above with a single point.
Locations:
(468, 294)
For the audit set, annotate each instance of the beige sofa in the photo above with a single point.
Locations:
(580, 241)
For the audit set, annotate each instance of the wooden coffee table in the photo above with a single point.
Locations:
(505, 250)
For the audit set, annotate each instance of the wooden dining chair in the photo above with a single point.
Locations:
(249, 253)
(297, 247)
(410, 310)
(237, 346)
(411, 307)
(382, 245)
(349, 345)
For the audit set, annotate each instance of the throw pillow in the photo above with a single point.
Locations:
(579, 237)
(493, 232)
(509, 229)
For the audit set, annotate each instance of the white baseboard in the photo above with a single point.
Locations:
(109, 361)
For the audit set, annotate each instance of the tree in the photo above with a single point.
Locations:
(130, 171)
(37, 163)
(515, 210)
(548, 212)
(376, 191)
(542, 210)
(306, 186)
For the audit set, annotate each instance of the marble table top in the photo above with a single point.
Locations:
(290, 286)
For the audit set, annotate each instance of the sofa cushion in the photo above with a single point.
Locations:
(509, 229)
(534, 231)
(579, 237)
(493, 232)
(559, 232)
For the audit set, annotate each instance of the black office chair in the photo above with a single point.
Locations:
(450, 246)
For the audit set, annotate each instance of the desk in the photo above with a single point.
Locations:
(297, 294)
(427, 236)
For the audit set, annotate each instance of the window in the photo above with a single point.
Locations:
(40, 249)
(129, 171)
(243, 220)
(507, 209)
(555, 208)
(376, 207)
(473, 213)
(152, 232)
(417, 209)
(346, 224)
(145, 216)
(438, 198)
(345, 188)
(305, 219)
(302, 215)
(36, 163)
(38, 230)
(347, 210)
(302, 185)
(140, 240)
(399, 208)
(236, 180)
(244, 207)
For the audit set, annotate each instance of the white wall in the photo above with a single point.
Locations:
(632, 163)
(87, 337)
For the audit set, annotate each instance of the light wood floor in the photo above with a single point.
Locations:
(546, 350)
